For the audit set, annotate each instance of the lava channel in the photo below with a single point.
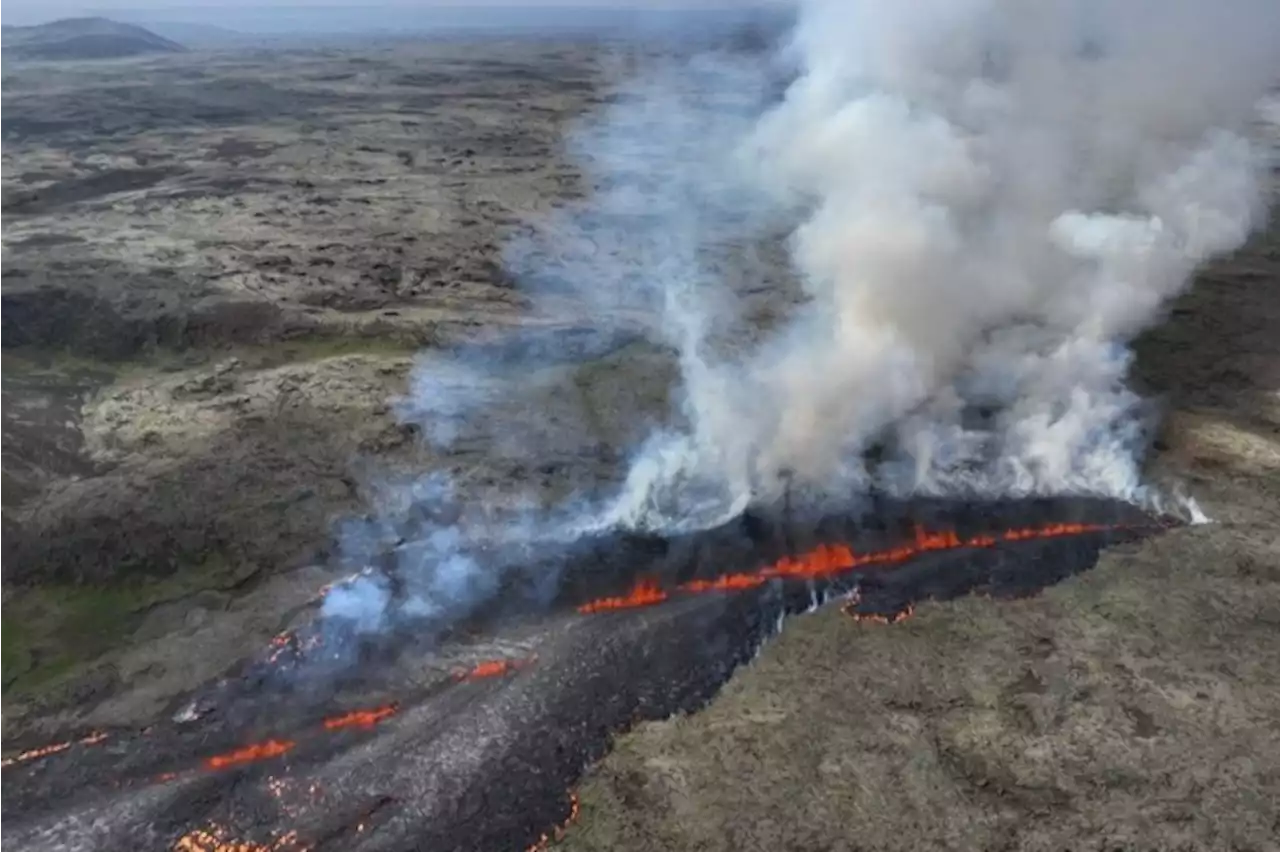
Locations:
(250, 754)
(493, 668)
(52, 748)
(360, 718)
(646, 592)
(827, 561)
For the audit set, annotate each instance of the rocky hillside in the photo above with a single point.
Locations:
(83, 38)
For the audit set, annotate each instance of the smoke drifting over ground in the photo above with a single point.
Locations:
(985, 201)
(993, 197)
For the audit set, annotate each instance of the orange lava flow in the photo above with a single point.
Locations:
(53, 748)
(646, 592)
(360, 718)
(218, 839)
(492, 668)
(249, 754)
(829, 560)
(556, 834)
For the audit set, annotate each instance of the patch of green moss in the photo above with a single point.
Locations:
(65, 363)
(16, 658)
(50, 631)
(27, 363)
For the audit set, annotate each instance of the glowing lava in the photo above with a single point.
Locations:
(556, 834)
(249, 754)
(850, 608)
(360, 718)
(646, 592)
(492, 668)
(830, 560)
(218, 839)
(53, 748)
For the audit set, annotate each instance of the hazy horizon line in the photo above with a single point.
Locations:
(308, 15)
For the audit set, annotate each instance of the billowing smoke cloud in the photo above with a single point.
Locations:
(985, 200)
(993, 198)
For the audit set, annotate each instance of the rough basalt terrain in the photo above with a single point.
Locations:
(333, 739)
(218, 270)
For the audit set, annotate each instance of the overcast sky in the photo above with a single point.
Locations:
(251, 13)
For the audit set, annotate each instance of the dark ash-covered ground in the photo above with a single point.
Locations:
(488, 762)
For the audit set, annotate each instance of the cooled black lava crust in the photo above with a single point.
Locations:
(487, 764)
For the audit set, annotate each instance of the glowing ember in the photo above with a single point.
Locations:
(830, 560)
(850, 610)
(281, 644)
(32, 754)
(360, 718)
(218, 839)
(53, 748)
(492, 668)
(289, 643)
(290, 797)
(249, 754)
(556, 834)
(324, 590)
(646, 593)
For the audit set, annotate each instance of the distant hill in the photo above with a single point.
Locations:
(83, 38)
(198, 35)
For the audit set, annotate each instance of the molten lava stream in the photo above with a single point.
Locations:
(646, 592)
(827, 561)
(249, 754)
(360, 718)
(493, 668)
(52, 748)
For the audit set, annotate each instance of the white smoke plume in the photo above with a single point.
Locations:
(986, 200)
(994, 197)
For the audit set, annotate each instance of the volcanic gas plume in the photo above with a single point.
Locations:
(983, 201)
(991, 198)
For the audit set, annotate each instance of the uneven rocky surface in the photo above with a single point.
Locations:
(218, 271)
(333, 740)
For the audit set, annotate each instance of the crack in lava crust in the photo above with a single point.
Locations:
(830, 561)
(413, 750)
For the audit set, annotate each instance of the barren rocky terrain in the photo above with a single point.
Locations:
(218, 270)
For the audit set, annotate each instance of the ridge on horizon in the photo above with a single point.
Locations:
(86, 37)
(276, 19)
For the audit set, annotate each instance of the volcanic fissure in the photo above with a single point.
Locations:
(647, 626)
